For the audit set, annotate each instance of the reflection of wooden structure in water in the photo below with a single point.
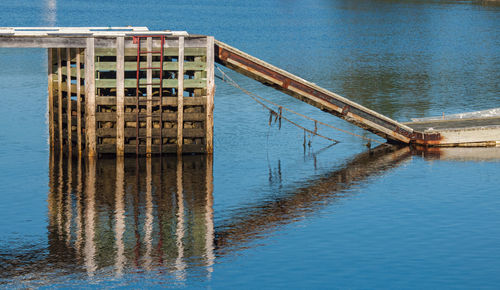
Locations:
(155, 216)
(484, 154)
(160, 215)
(248, 222)
(163, 220)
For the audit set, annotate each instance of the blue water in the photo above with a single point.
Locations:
(281, 216)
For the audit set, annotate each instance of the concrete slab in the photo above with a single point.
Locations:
(458, 132)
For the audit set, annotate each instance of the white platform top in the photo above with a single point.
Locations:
(84, 31)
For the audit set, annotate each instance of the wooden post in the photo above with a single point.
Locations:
(210, 96)
(51, 95)
(149, 95)
(59, 99)
(120, 95)
(90, 107)
(180, 96)
(68, 96)
(78, 104)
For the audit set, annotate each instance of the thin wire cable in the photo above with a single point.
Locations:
(277, 114)
(230, 81)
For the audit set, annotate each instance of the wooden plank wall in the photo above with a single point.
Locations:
(93, 107)
(184, 99)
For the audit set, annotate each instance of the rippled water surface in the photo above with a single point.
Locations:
(265, 212)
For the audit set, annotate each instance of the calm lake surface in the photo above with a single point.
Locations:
(265, 212)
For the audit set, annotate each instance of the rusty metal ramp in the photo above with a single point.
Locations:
(474, 132)
(321, 98)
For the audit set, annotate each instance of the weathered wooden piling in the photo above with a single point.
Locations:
(50, 80)
(120, 96)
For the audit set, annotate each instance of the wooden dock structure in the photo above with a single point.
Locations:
(125, 90)
(129, 90)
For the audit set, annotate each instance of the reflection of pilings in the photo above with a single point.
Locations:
(160, 197)
(172, 203)
(184, 213)
(79, 188)
(69, 201)
(148, 224)
(209, 216)
(90, 248)
(136, 216)
(268, 214)
(51, 200)
(179, 263)
(60, 187)
(119, 216)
